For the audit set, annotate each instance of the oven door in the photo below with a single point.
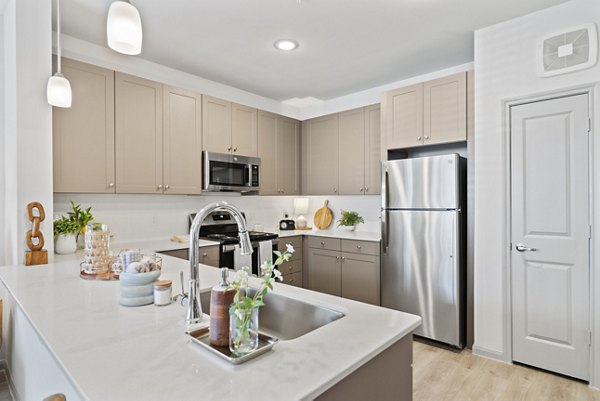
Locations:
(224, 172)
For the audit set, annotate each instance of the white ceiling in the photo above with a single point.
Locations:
(345, 45)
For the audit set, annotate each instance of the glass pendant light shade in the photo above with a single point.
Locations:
(124, 28)
(58, 91)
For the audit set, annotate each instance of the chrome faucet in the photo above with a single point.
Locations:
(194, 311)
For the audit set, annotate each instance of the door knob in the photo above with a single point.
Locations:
(361, 189)
(111, 185)
(229, 148)
(158, 188)
(167, 187)
(418, 138)
(235, 149)
(522, 248)
(426, 137)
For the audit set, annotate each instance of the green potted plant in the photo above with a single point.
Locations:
(65, 235)
(82, 217)
(350, 220)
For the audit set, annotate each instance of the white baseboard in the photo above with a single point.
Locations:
(490, 354)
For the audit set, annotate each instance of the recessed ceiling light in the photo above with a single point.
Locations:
(286, 44)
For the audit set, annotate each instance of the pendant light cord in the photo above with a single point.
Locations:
(58, 50)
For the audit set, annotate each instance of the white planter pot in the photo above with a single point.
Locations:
(348, 228)
(65, 244)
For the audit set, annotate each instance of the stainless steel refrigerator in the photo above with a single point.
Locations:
(423, 249)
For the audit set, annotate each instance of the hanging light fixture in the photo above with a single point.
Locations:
(58, 90)
(124, 28)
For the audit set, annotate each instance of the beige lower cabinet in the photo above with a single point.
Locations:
(346, 268)
(279, 152)
(293, 269)
(83, 135)
(208, 255)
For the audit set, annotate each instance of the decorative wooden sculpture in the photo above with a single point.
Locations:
(35, 238)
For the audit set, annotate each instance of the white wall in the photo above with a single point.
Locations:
(27, 132)
(140, 217)
(505, 56)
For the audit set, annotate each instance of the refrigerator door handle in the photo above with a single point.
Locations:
(384, 186)
(384, 231)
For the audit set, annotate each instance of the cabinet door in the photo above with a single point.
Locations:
(361, 278)
(244, 130)
(288, 156)
(373, 150)
(182, 153)
(324, 271)
(294, 279)
(445, 109)
(138, 134)
(403, 110)
(84, 135)
(267, 151)
(209, 255)
(320, 150)
(352, 154)
(216, 125)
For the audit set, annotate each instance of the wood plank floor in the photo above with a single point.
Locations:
(443, 374)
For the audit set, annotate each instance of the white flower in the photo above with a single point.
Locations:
(277, 275)
(240, 276)
(289, 248)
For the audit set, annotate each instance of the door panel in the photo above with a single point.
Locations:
(352, 154)
(420, 271)
(244, 138)
(182, 142)
(288, 157)
(373, 150)
(322, 155)
(138, 135)
(445, 109)
(404, 117)
(360, 278)
(550, 213)
(216, 125)
(324, 271)
(267, 151)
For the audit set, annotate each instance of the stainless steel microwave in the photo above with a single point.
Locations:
(230, 173)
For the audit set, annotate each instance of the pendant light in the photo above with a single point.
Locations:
(58, 90)
(124, 28)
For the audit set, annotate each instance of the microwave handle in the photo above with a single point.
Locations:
(248, 175)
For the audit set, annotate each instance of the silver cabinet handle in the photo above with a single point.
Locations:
(426, 137)
(235, 149)
(362, 189)
(158, 188)
(167, 187)
(367, 189)
(229, 148)
(335, 190)
(204, 254)
(343, 258)
(522, 248)
(418, 138)
(358, 247)
(322, 243)
(111, 185)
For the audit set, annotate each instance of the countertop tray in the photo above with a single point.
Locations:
(201, 336)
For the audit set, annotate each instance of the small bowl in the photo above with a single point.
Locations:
(139, 278)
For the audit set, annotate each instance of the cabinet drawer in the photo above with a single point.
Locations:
(296, 242)
(362, 247)
(332, 244)
(294, 279)
(209, 255)
(293, 266)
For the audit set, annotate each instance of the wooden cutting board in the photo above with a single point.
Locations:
(323, 217)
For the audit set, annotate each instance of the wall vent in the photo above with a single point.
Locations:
(569, 51)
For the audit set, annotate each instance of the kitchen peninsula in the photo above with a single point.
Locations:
(87, 346)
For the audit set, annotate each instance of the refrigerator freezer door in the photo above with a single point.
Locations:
(420, 271)
(421, 183)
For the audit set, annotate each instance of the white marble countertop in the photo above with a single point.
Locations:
(333, 233)
(158, 245)
(118, 353)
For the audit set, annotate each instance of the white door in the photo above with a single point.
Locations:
(550, 235)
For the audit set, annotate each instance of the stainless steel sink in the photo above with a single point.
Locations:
(285, 318)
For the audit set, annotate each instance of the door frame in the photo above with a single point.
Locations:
(594, 272)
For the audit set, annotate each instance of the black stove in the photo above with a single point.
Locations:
(222, 228)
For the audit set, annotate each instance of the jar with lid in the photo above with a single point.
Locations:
(162, 292)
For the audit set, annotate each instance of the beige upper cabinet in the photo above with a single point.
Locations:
(288, 156)
(267, 151)
(445, 109)
(403, 113)
(244, 137)
(320, 152)
(278, 149)
(430, 113)
(373, 150)
(83, 135)
(138, 134)
(229, 127)
(216, 125)
(182, 141)
(351, 154)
